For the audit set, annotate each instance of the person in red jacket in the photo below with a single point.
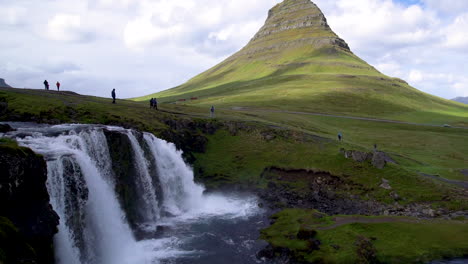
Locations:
(58, 86)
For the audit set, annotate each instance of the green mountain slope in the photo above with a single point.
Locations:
(296, 62)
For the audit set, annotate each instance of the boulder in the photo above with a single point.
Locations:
(378, 160)
(385, 185)
(360, 156)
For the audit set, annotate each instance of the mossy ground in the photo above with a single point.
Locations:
(396, 240)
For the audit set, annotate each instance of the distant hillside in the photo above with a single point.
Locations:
(3, 83)
(463, 100)
(296, 62)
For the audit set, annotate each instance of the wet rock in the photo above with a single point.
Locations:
(25, 200)
(4, 128)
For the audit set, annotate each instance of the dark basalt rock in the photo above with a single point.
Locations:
(4, 128)
(124, 170)
(25, 200)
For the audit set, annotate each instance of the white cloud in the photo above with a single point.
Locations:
(422, 43)
(456, 33)
(12, 16)
(448, 7)
(415, 76)
(67, 28)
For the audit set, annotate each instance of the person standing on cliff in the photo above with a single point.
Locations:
(58, 86)
(46, 84)
(113, 96)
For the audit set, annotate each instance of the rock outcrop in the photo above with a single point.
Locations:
(3, 83)
(325, 192)
(25, 202)
(378, 159)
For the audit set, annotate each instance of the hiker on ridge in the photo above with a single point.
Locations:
(46, 84)
(113, 96)
(155, 104)
(151, 103)
(340, 137)
(58, 86)
(212, 110)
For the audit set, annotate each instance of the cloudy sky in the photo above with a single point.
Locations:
(144, 46)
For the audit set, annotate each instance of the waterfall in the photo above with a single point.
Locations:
(145, 182)
(93, 228)
(180, 191)
(86, 192)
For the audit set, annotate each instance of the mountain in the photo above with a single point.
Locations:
(463, 100)
(3, 83)
(296, 62)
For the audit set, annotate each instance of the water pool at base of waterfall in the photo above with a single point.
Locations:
(208, 238)
(176, 223)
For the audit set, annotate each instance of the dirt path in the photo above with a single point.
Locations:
(340, 221)
(244, 109)
(463, 184)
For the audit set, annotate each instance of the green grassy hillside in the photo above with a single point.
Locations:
(247, 143)
(296, 62)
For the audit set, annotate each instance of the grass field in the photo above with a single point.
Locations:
(393, 240)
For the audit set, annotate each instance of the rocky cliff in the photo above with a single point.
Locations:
(27, 220)
(3, 83)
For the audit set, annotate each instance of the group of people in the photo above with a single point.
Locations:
(46, 85)
(154, 103)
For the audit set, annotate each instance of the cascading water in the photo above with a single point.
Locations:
(93, 225)
(180, 191)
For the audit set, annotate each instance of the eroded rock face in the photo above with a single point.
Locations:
(325, 192)
(293, 24)
(25, 200)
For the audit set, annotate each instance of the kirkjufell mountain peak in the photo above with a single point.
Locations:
(296, 62)
(3, 83)
(292, 24)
